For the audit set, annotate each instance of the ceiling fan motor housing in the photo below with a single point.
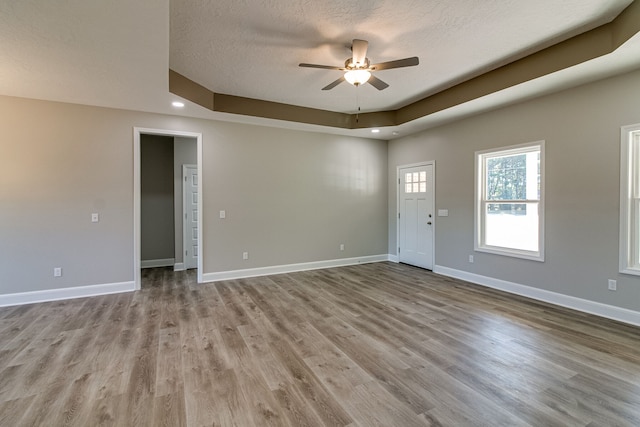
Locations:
(350, 64)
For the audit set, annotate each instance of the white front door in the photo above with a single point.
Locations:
(190, 222)
(416, 217)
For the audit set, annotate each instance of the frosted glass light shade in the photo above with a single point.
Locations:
(357, 77)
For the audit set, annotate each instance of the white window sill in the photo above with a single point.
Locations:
(514, 253)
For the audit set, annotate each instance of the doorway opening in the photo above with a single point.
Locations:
(171, 201)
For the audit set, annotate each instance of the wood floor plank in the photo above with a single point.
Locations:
(22, 335)
(47, 404)
(273, 372)
(169, 410)
(371, 344)
(168, 379)
(456, 403)
(106, 411)
(316, 395)
(294, 405)
(12, 411)
(371, 404)
(374, 359)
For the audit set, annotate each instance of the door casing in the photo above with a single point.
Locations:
(137, 131)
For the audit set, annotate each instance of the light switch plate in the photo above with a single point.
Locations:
(223, 214)
(95, 217)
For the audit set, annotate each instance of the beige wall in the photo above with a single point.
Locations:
(581, 128)
(290, 196)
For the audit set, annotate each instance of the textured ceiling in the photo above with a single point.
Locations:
(117, 53)
(107, 53)
(252, 48)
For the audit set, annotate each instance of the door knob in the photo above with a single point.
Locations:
(429, 223)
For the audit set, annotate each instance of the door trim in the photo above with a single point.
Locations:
(433, 203)
(137, 131)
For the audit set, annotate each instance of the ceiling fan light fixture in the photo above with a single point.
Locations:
(357, 77)
(357, 69)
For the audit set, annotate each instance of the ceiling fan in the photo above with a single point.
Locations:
(358, 68)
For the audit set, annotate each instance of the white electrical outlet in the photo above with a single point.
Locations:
(471, 259)
(95, 217)
(613, 285)
(223, 214)
(342, 246)
(245, 255)
(57, 272)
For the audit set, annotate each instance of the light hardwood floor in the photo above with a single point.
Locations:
(376, 344)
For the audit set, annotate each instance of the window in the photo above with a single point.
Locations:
(415, 182)
(509, 201)
(630, 199)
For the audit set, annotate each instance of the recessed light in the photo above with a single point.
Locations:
(375, 130)
(177, 104)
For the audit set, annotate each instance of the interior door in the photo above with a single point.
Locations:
(416, 217)
(190, 223)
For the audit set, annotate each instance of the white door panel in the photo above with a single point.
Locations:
(190, 228)
(416, 216)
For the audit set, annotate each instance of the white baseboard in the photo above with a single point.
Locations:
(290, 268)
(151, 263)
(179, 266)
(65, 293)
(591, 307)
(394, 258)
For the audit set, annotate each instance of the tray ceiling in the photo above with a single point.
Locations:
(118, 53)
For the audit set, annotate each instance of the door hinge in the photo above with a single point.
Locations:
(186, 253)
(398, 215)
(185, 179)
(398, 249)
(398, 181)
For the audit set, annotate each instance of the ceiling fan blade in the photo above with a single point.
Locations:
(359, 49)
(333, 84)
(324, 67)
(377, 83)
(398, 63)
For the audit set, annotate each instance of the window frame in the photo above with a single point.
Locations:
(480, 201)
(629, 205)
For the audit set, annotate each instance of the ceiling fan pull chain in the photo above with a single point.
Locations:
(358, 104)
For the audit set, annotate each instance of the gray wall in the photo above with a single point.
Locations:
(59, 164)
(290, 196)
(581, 127)
(184, 153)
(156, 198)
